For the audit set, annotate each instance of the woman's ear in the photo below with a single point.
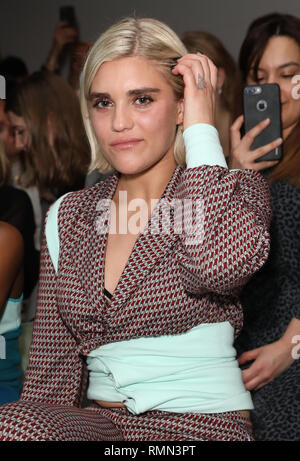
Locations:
(221, 77)
(180, 112)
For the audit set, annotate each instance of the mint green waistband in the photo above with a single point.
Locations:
(193, 372)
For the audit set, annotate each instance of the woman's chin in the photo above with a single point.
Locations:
(130, 169)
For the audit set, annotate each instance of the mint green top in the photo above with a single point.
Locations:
(193, 372)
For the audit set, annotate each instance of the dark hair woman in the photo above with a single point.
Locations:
(271, 54)
(19, 264)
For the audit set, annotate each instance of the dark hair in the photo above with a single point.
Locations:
(13, 68)
(258, 35)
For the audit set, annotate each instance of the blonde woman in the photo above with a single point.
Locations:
(143, 304)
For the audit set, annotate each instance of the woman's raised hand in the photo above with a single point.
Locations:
(241, 156)
(200, 80)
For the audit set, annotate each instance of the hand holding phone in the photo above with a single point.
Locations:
(262, 102)
(260, 148)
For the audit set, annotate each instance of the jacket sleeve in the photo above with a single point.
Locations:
(229, 241)
(55, 371)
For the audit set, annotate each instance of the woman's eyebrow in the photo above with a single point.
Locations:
(139, 91)
(96, 95)
(135, 92)
(287, 64)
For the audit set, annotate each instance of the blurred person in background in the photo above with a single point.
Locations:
(270, 53)
(45, 115)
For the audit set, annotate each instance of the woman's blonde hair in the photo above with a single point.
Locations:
(145, 37)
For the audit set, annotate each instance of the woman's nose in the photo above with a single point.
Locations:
(19, 144)
(122, 119)
(272, 79)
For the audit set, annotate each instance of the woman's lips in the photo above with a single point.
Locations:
(125, 143)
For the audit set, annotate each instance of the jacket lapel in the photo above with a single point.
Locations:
(150, 247)
(89, 242)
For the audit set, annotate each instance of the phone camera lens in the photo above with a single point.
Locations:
(261, 105)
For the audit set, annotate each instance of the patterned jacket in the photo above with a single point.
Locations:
(167, 286)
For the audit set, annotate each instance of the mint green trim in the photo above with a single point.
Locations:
(202, 145)
(51, 231)
(16, 300)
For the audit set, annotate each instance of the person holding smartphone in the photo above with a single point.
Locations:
(271, 54)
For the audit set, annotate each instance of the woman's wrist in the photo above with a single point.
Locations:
(203, 147)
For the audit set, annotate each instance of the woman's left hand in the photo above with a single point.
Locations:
(200, 80)
(269, 362)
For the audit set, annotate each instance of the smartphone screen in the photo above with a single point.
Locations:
(261, 102)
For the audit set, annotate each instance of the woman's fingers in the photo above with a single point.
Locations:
(247, 356)
(199, 94)
(202, 67)
(255, 131)
(260, 151)
(242, 155)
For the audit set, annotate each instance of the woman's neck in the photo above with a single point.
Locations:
(288, 130)
(149, 184)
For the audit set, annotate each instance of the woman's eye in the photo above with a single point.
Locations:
(18, 132)
(102, 104)
(143, 100)
(287, 75)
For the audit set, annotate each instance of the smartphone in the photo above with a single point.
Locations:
(67, 14)
(261, 102)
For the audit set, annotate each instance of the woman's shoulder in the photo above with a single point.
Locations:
(82, 203)
(10, 237)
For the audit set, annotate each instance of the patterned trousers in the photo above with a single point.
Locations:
(32, 421)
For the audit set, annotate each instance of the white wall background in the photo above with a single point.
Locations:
(26, 26)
